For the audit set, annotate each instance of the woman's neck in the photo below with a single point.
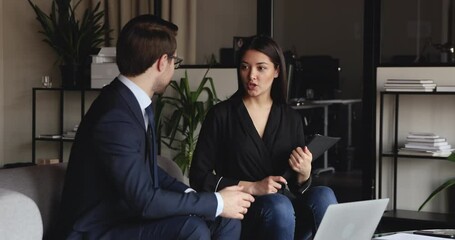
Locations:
(259, 101)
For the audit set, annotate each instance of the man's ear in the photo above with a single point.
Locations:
(162, 62)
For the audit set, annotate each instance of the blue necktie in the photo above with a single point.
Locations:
(152, 140)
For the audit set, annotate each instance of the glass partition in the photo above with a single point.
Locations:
(417, 32)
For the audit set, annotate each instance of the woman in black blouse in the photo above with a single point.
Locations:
(251, 140)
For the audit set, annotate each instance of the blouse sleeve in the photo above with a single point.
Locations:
(203, 176)
(294, 186)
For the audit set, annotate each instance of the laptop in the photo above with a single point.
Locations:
(352, 220)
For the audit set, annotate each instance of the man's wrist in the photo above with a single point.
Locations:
(188, 190)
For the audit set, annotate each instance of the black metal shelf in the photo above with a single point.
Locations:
(60, 140)
(412, 156)
(417, 93)
(54, 139)
(394, 152)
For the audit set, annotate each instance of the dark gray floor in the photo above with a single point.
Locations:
(346, 185)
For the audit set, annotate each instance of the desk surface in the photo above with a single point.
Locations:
(322, 103)
(333, 101)
(408, 235)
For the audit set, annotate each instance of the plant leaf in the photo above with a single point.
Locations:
(187, 114)
(451, 157)
(71, 39)
(443, 186)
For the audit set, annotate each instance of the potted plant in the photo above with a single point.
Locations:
(73, 40)
(447, 184)
(187, 112)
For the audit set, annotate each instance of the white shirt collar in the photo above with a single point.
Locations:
(141, 96)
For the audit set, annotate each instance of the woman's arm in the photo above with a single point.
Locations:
(268, 185)
(300, 161)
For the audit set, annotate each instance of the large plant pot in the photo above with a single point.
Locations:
(75, 76)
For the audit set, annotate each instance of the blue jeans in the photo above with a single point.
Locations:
(275, 216)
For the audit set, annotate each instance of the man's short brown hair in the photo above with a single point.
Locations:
(142, 41)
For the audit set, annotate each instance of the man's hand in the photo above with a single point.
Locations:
(268, 185)
(236, 202)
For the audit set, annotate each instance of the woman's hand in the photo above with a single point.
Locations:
(268, 185)
(300, 162)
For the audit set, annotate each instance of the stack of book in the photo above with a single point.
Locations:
(71, 133)
(409, 85)
(426, 144)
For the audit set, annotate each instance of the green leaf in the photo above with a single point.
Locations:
(71, 39)
(441, 188)
(451, 157)
(187, 112)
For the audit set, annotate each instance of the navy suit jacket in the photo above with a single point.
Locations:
(109, 179)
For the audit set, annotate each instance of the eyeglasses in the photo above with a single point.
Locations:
(177, 61)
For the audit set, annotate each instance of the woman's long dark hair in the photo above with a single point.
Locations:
(269, 47)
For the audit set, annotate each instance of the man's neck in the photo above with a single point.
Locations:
(144, 83)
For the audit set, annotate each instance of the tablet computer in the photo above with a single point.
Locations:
(320, 144)
(317, 146)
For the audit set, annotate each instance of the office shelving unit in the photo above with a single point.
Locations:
(425, 218)
(61, 115)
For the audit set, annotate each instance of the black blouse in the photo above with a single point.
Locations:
(230, 149)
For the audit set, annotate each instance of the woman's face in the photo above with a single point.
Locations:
(257, 73)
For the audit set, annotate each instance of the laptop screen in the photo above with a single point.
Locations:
(352, 220)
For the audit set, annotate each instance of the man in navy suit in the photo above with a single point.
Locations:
(113, 189)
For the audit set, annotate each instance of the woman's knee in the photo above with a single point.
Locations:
(321, 194)
(279, 206)
(274, 218)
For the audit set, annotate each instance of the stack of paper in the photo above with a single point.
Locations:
(409, 85)
(71, 133)
(426, 144)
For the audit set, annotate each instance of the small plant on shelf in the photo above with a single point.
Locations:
(446, 185)
(72, 39)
